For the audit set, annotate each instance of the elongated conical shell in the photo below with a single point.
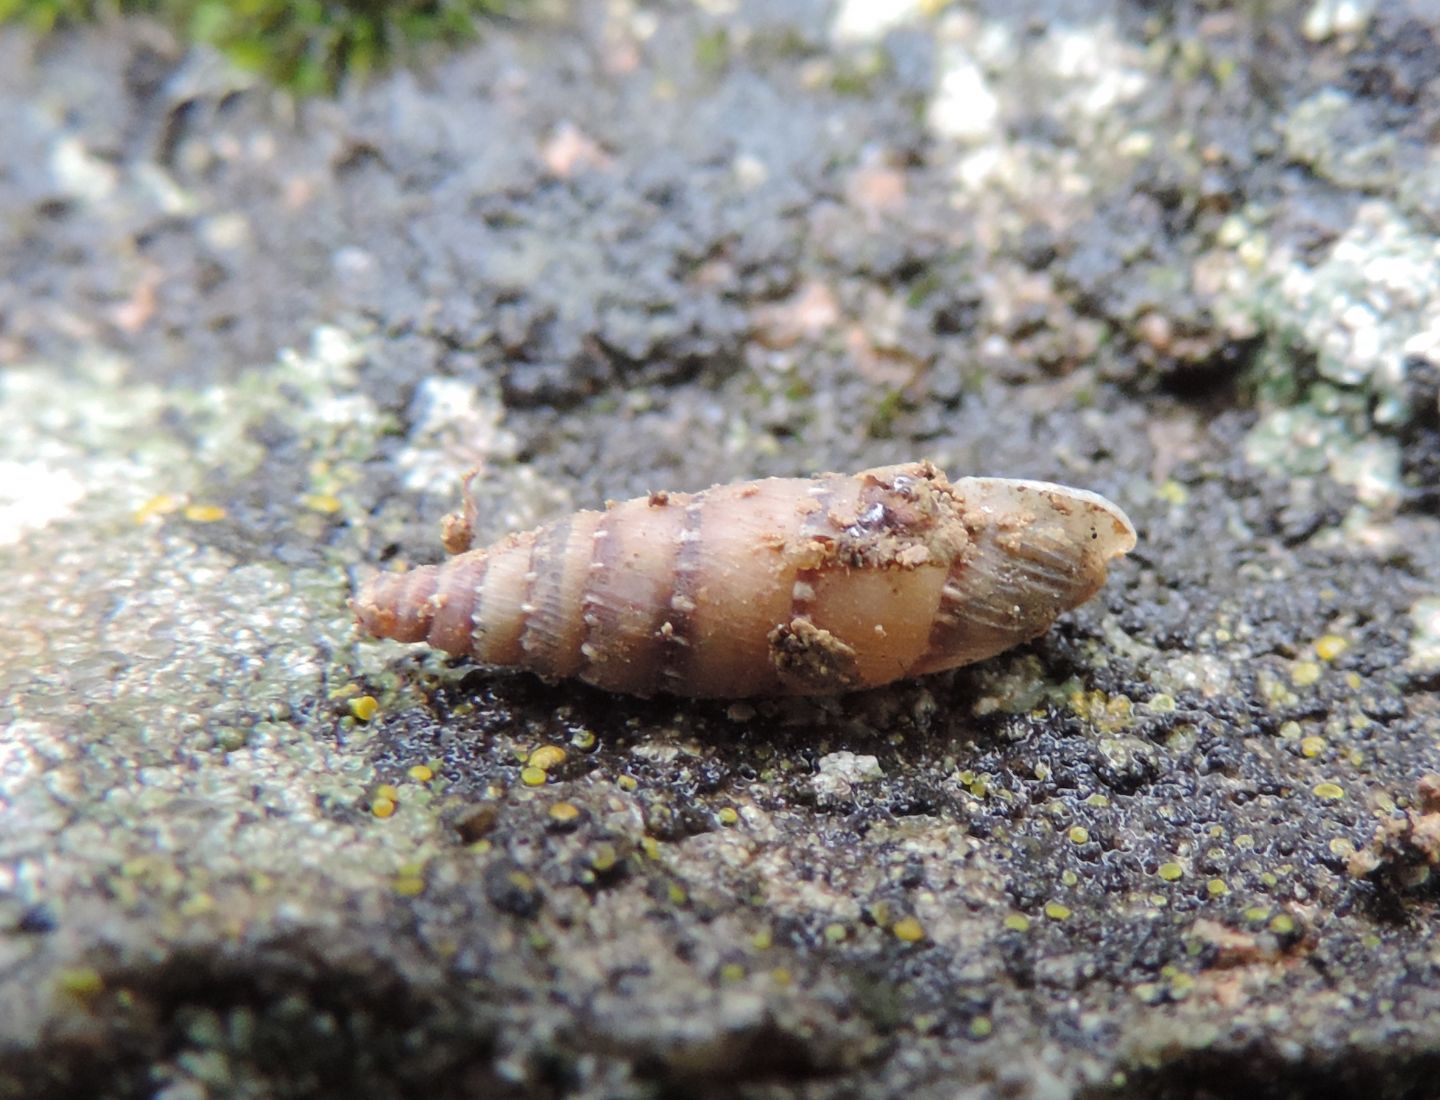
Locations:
(780, 586)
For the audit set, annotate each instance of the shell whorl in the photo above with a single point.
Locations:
(779, 586)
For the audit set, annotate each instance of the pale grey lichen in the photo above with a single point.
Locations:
(1374, 298)
(1369, 307)
(1333, 134)
(1328, 19)
(1425, 642)
(456, 426)
(1303, 441)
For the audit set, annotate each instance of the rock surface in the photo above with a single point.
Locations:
(1182, 256)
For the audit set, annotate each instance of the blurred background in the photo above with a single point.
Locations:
(273, 276)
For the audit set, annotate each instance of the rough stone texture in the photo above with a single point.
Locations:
(1179, 254)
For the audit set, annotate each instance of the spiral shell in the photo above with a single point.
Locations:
(785, 586)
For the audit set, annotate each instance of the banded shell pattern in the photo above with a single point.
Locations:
(773, 587)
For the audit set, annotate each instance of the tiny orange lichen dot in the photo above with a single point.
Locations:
(784, 586)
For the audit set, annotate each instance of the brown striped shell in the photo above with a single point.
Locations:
(783, 586)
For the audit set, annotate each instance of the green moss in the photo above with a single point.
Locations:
(308, 47)
(712, 52)
(859, 74)
(882, 419)
(931, 281)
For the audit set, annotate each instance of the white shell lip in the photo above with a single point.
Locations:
(1119, 534)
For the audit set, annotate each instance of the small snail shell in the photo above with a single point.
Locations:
(782, 586)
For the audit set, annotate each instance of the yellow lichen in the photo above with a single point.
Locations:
(1170, 872)
(1079, 834)
(1330, 646)
(1055, 911)
(81, 982)
(197, 905)
(1017, 922)
(381, 806)
(1172, 492)
(908, 930)
(204, 513)
(532, 776)
(161, 505)
(975, 784)
(547, 757)
(421, 773)
(564, 813)
(583, 740)
(1109, 713)
(364, 707)
(1330, 792)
